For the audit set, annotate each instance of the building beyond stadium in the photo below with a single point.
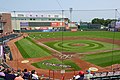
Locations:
(5, 23)
(38, 21)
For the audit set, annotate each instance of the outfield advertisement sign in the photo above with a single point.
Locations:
(57, 24)
(43, 28)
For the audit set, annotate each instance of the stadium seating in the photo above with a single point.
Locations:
(6, 38)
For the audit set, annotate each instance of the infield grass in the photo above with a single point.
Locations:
(30, 49)
(56, 61)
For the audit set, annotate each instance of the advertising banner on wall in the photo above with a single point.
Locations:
(43, 28)
(62, 24)
(54, 24)
(67, 27)
(57, 24)
(73, 30)
(23, 24)
(37, 28)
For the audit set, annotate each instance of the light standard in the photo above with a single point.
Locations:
(62, 71)
(71, 9)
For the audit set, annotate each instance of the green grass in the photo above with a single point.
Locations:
(94, 34)
(56, 61)
(29, 49)
(104, 59)
(72, 64)
(89, 46)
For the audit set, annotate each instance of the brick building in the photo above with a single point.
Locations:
(5, 23)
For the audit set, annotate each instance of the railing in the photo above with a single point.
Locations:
(114, 77)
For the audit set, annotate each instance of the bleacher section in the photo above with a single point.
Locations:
(7, 55)
(6, 38)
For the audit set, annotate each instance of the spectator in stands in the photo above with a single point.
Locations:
(80, 76)
(107, 73)
(18, 72)
(81, 73)
(19, 77)
(26, 74)
(9, 75)
(34, 75)
(88, 75)
(114, 72)
(2, 74)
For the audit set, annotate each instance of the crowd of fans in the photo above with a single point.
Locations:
(83, 76)
(88, 75)
(10, 74)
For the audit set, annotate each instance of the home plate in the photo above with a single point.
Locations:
(25, 61)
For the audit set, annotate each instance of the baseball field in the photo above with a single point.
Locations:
(71, 50)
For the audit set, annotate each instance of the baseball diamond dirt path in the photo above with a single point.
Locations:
(17, 57)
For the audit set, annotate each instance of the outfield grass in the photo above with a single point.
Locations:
(104, 59)
(94, 34)
(29, 49)
(56, 61)
(89, 46)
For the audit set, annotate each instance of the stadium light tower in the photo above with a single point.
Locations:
(71, 9)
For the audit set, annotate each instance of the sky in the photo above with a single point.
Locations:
(38, 5)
